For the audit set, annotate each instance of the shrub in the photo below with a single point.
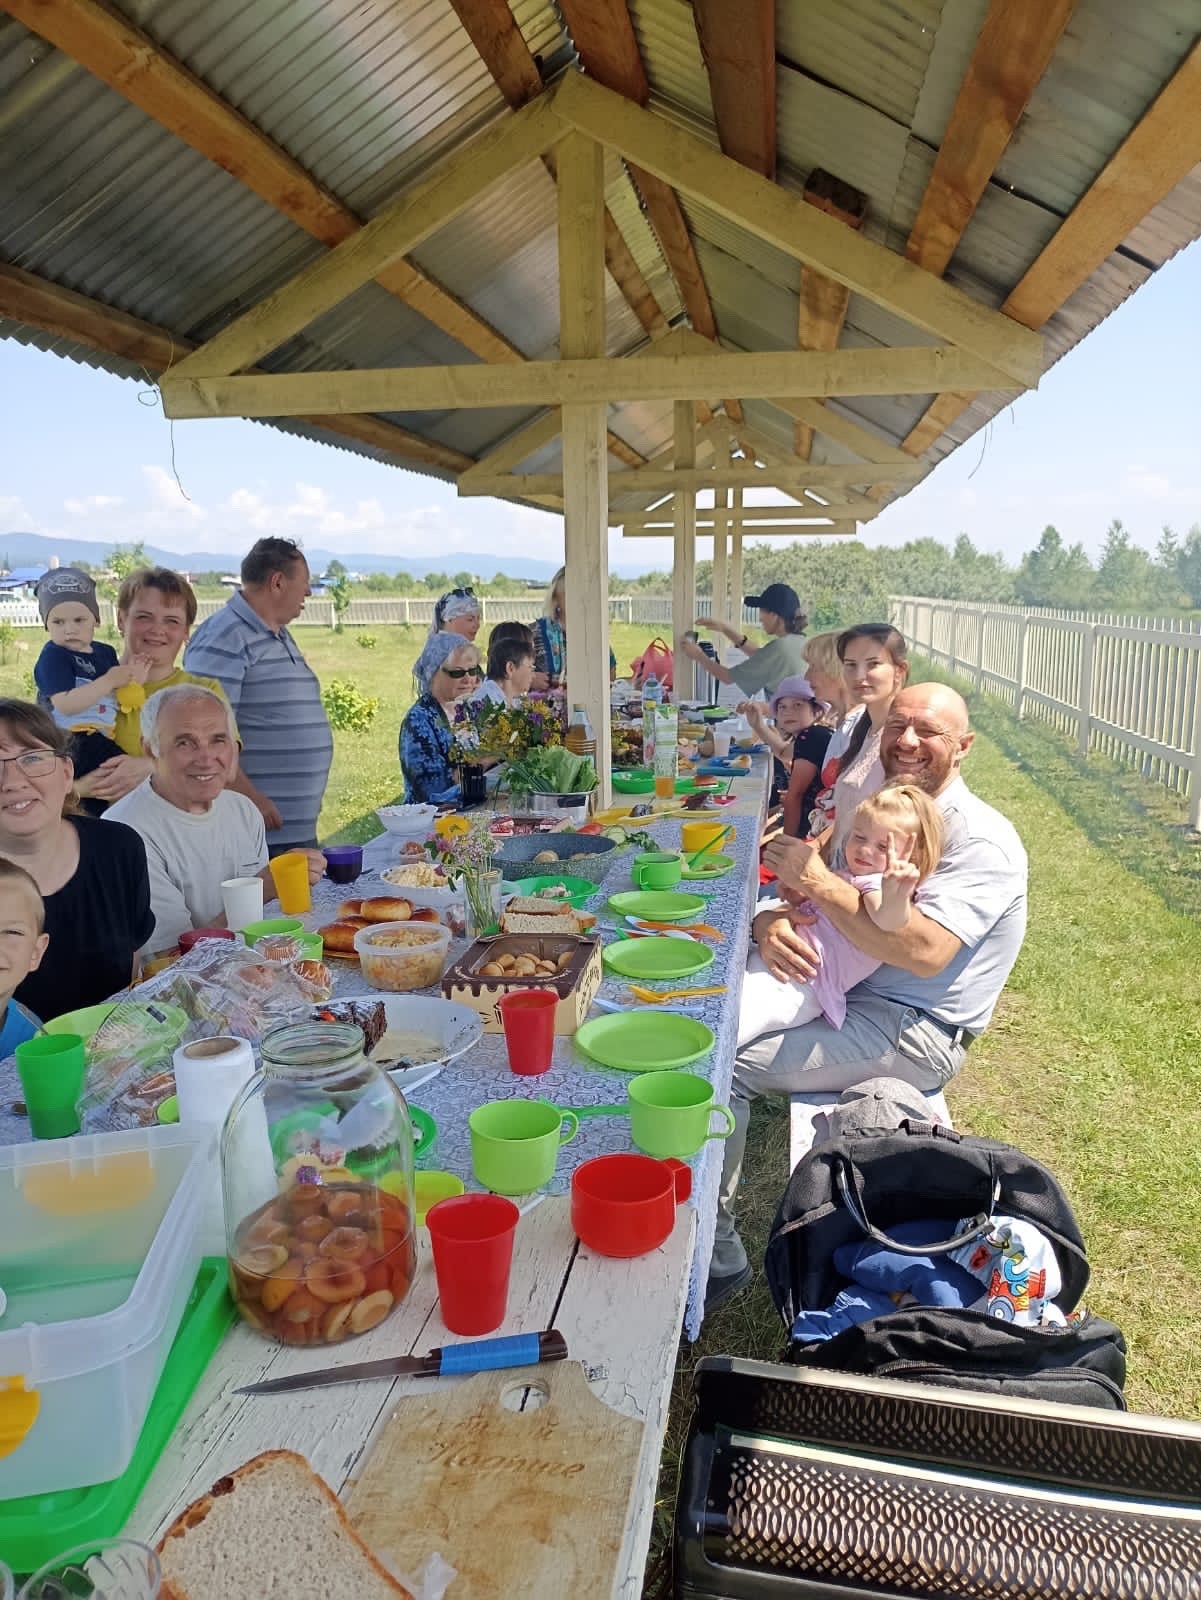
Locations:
(8, 635)
(366, 641)
(347, 707)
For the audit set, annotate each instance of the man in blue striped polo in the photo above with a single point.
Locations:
(287, 746)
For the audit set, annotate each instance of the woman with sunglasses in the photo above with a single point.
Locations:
(447, 670)
(457, 612)
(92, 874)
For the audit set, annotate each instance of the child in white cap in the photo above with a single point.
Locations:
(79, 678)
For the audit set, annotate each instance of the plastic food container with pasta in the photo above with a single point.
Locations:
(400, 956)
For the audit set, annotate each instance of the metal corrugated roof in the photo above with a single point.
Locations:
(97, 197)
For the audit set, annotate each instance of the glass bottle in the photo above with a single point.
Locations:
(579, 738)
(317, 1176)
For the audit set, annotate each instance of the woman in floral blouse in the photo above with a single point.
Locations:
(447, 670)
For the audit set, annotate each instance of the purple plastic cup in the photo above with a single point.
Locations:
(343, 862)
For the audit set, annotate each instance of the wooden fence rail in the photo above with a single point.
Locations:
(1129, 687)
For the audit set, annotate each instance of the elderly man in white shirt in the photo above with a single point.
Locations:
(197, 830)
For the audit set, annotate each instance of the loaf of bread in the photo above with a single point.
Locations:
(530, 914)
(272, 1528)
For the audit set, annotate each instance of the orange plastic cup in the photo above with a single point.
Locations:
(290, 875)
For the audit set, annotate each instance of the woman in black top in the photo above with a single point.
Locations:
(92, 874)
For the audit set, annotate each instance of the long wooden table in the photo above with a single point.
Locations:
(621, 1319)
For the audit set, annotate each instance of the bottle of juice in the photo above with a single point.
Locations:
(579, 738)
(666, 750)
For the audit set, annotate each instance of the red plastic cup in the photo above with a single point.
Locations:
(528, 1016)
(625, 1205)
(472, 1238)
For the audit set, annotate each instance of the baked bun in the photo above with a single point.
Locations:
(339, 936)
(386, 908)
(350, 908)
(425, 914)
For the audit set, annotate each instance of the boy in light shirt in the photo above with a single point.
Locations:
(23, 943)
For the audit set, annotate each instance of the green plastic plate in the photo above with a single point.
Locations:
(651, 1041)
(642, 781)
(579, 889)
(37, 1527)
(657, 958)
(709, 866)
(657, 905)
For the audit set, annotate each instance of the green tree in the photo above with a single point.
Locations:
(1126, 574)
(1188, 564)
(341, 593)
(1169, 590)
(126, 558)
(437, 582)
(1056, 575)
(462, 580)
(335, 569)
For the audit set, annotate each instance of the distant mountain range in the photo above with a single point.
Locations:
(32, 549)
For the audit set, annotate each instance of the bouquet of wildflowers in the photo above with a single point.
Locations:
(463, 848)
(503, 733)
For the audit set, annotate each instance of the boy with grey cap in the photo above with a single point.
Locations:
(79, 678)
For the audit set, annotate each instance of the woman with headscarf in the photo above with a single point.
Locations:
(447, 670)
(457, 611)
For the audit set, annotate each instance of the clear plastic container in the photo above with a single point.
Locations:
(401, 956)
(99, 1249)
(317, 1169)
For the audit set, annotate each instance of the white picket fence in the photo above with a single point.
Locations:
(1129, 687)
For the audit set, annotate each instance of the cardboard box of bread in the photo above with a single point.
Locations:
(562, 961)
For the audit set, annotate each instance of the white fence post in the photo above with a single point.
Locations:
(1019, 688)
(981, 616)
(1088, 640)
(1194, 794)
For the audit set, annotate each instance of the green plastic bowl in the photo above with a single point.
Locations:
(87, 1022)
(254, 931)
(579, 890)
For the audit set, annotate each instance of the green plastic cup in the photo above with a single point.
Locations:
(657, 869)
(515, 1143)
(671, 1114)
(51, 1068)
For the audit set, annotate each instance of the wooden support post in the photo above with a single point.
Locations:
(683, 582)
(736, 557)
(721, 599)
(585, 448)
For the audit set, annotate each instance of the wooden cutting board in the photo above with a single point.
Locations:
(528, 1503)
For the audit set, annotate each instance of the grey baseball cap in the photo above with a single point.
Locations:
(877, 1103)
(66, 583)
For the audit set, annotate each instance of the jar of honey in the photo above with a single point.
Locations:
(317, 1176)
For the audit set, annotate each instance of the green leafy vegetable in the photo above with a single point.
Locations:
(551, 769)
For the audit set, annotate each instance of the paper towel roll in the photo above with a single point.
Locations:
(209, 1076)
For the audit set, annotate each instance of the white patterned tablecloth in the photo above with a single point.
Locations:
(573, 1080)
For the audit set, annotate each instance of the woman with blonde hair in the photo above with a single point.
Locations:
(894, 842)
(550, 636)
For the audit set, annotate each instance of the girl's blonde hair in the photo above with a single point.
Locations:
(911, 810)
(556, 588)
(821, 651)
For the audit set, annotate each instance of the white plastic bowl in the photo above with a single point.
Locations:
(407, 820)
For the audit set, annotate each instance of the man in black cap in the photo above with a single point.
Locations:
(783, 656)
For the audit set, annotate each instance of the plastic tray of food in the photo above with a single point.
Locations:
(400, 956)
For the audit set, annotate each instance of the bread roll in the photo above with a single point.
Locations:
(425, 914)
(350, 908)
(339, 936)
(386, 908)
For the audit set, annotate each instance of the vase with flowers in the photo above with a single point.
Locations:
(463, 848)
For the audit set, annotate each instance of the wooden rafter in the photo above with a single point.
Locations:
(921, 370)
(671, 480)
(1015, 45)
(130, 62)
(1157, 154)
(66, 315)
(806, 530)
(604, 38)
(782, 218)
(822, 303)
(739, 51)
(490, 26)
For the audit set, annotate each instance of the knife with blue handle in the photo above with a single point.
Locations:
(478, 1355)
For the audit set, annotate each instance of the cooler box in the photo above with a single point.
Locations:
(99, 1250)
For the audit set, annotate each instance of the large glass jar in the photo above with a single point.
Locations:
(317, 1176)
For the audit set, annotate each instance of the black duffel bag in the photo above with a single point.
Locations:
(864, 1184)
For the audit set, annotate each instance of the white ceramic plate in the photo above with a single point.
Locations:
(453, 1028)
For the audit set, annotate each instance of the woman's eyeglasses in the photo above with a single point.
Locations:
(451, 672)
(464, 594)
(34, 763)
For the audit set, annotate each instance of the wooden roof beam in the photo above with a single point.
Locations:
(131, 63)
(922, 370)
(823, 302)
(1157, 154)
(1012, 52)
(62, 313)
(825, 530)
(739, 50)
(782, 218)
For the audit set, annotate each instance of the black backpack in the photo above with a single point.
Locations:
(865, 1183)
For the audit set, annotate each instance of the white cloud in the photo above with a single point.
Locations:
(168, 500)
(14, 515)
(87, 504)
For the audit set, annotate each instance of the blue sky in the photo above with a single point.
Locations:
(1111, 432)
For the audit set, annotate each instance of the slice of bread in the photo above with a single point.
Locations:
(272, 1528)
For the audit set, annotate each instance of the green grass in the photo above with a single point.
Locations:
(1092, 1064)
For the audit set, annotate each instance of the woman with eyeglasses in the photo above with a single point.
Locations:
(92, 874)
(447, 670)
(457, 612)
